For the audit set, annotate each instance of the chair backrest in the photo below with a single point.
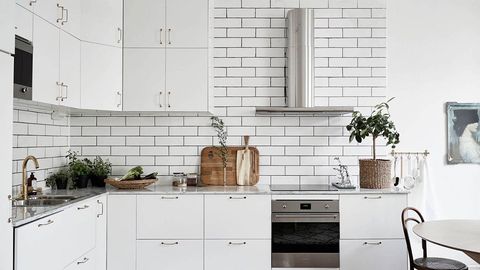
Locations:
(405, 220)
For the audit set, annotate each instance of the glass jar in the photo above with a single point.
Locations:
(180, 179)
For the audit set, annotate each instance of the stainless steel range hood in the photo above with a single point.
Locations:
(300, 94)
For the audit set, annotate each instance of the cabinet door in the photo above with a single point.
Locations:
(371, 216)
(237, 255)
(170, 255)
(158, 217)
(187, 80)
(49, 10)
(23, 22)
(102, 21)
(72, 17)
(144, 80)
(46, 62)
(28, 4)
(145, 23)
(7, 33)
(237, 217)
(70, 70)
(101, 234)
(373, 254)
(121, 232)
(50, 231)
(101, 72)
(6, 111)
(187, 27)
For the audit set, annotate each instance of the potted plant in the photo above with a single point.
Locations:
(79, 170)
(222, 136)
(60, 179)
(374, 173)
(99, 171)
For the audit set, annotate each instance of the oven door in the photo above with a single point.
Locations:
(23, 69)
(305, 240)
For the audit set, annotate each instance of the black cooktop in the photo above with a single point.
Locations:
(303, 188)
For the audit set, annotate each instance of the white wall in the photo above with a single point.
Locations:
(434, 57)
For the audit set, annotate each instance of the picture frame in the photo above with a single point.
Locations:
(463, 133)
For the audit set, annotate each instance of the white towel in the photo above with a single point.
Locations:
(422, 195)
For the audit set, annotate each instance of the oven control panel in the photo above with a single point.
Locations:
(293, 206)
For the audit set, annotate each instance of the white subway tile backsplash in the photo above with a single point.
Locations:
(250, 45)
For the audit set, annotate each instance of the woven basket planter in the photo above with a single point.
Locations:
(375, 174)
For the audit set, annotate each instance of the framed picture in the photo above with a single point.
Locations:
(463, 133)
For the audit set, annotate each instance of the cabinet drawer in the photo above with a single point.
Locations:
(85, 262)
(373, 254)
(237, 217)
(170, 217)
(237, 254)
(371, 216)
(170, 254)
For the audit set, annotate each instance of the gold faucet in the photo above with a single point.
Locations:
(24, 194)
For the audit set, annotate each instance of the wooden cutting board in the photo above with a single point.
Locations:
(211, 166)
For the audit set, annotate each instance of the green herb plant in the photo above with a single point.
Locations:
(100, 167)
(61, 176)
(378, 124)
(222, 136)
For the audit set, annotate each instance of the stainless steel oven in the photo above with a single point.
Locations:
(23, 69)
(305, 234)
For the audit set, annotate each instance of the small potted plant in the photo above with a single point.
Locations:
(222, 150)
(60, 179)
(374, 173)
(79, 170)
(99, 171)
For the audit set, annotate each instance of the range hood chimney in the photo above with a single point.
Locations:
(301, 69)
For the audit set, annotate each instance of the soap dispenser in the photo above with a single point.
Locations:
(32, 184)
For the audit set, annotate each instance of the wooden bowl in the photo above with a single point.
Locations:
(130, 184)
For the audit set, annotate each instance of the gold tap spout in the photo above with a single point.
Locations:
(24, 194)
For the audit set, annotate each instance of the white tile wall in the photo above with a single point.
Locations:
(36, 133)
(250, 38)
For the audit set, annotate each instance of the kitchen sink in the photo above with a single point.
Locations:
(44, 200)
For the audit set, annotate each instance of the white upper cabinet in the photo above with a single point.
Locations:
(144, 23)
(46, 61)
(69, 70)
(23, 22)
(146, 78)
(49, 10)
(168, 60)
(167, 23)
(71, 20)
(187, 27)
(187, 80)
(28, 4)
(7, 34)
(101, 77)
(102, 22)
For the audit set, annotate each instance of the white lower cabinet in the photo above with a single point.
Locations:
(100, 252)
(237, 216)
(65, 235)
(85, 262)
(121, 232)
(373, 254)
(170, 217)
(237, 254)
(170, 254)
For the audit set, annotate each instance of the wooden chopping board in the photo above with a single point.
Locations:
(211, 166)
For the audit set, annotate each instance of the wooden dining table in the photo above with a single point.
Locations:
(461, 235)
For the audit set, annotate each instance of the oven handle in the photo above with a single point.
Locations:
(324, 218)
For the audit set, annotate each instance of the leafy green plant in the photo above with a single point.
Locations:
(222, 136)
(77, 167)
(100, 167)
(61, 178)
(378, 124)
(133, 174)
